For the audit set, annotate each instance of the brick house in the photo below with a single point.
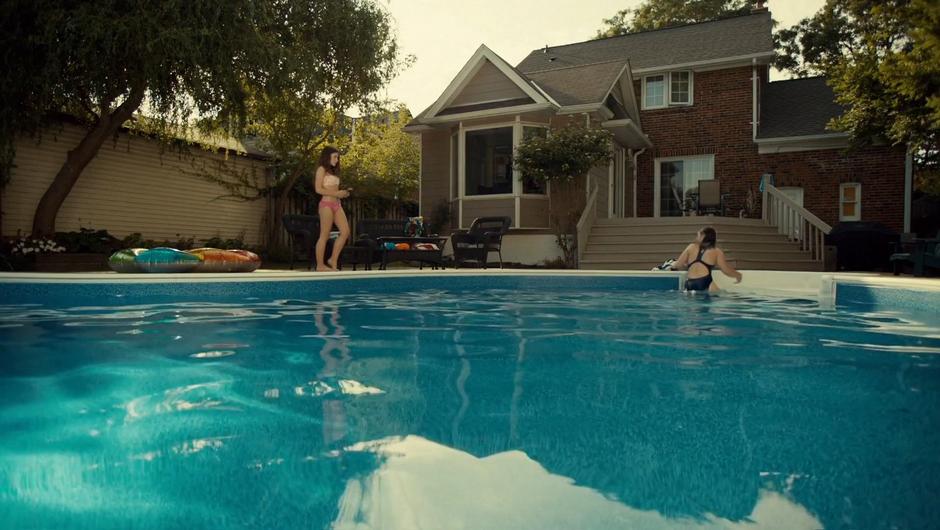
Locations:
(684, 104)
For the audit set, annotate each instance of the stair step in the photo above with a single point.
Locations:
(683, 239)
(619, 245)
(801, 265)
(643, 254)
(688, 232)
(680, 221)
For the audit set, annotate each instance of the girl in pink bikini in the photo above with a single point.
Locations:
(326, 183)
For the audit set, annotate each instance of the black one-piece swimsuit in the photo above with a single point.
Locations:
(703, 283)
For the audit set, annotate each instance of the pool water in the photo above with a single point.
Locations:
(482, 409)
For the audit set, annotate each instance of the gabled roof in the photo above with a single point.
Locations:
(579, 85)
(741, 36)
(798, 107)
(466, 73)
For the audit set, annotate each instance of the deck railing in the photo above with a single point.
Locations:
(794, 221)
(586, 222)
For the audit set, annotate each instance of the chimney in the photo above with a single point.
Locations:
(759, 7)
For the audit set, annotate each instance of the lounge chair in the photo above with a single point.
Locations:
(484, 236)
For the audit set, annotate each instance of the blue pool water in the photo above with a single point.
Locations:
(471, 408)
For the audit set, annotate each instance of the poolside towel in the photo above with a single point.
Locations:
(666, 266)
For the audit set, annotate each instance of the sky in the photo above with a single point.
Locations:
(443, 34)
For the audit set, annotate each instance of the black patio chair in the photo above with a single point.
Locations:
(484, 236)
(922, 254)
(303, 231)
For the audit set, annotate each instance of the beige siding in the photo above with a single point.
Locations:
(488, 208)
(131, 186)
(489, 84)
(435, 169)
(533, 213)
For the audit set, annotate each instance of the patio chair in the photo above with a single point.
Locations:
(484, 236)
(303, 231)
(710, 198)
(922, 254)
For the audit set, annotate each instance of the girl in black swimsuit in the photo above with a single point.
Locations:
(707, 257)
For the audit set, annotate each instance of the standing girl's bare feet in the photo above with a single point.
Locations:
(324, 268)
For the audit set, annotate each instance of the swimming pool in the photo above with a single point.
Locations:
(462, 402)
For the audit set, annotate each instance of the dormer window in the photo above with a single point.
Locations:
(665, 90)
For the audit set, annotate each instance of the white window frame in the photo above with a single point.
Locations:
(517, 187)
(858, 201)
(667, 94)
(665, 77)
(657, 182)
(463, 161)
(691, 89)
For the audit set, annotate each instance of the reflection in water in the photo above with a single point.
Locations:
(422, 484)
(486, 409)
(335, 356)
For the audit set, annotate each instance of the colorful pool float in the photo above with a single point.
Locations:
(124, 260)
(164, 259)
(218, 260)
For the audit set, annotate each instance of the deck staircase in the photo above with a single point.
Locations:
(645, 242)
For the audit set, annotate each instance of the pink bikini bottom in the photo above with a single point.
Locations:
(332, 205)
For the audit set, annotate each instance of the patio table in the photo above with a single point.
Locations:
(433, 257)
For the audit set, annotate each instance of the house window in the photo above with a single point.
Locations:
(454, 161)
(489, 161)
(850, 202)
(677, 183)
(529, 184)
(663, 90)
(654, 91)
(680, 88)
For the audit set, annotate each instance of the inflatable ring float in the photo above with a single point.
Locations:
(218, 260)
(123, 260)
(164, 259)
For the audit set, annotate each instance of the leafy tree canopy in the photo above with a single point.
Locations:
(882, 59)
(657, 14)
(175, 60)
(382, 159)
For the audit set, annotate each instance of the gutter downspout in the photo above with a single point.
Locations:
(754, 98)
(636, 154)
(908, 187)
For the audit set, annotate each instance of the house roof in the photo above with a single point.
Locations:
(798, 107)
(578, 85)
(731, 37)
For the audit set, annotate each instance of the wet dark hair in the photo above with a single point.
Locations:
(709, 237)
(325, 160)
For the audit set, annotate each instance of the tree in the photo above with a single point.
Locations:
(657, 14)
(882, 59)
(562, 160)
(382, 159)
(103, 61)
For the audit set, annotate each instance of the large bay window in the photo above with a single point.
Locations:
(488, 161)
(487, 154)
(664, 90)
